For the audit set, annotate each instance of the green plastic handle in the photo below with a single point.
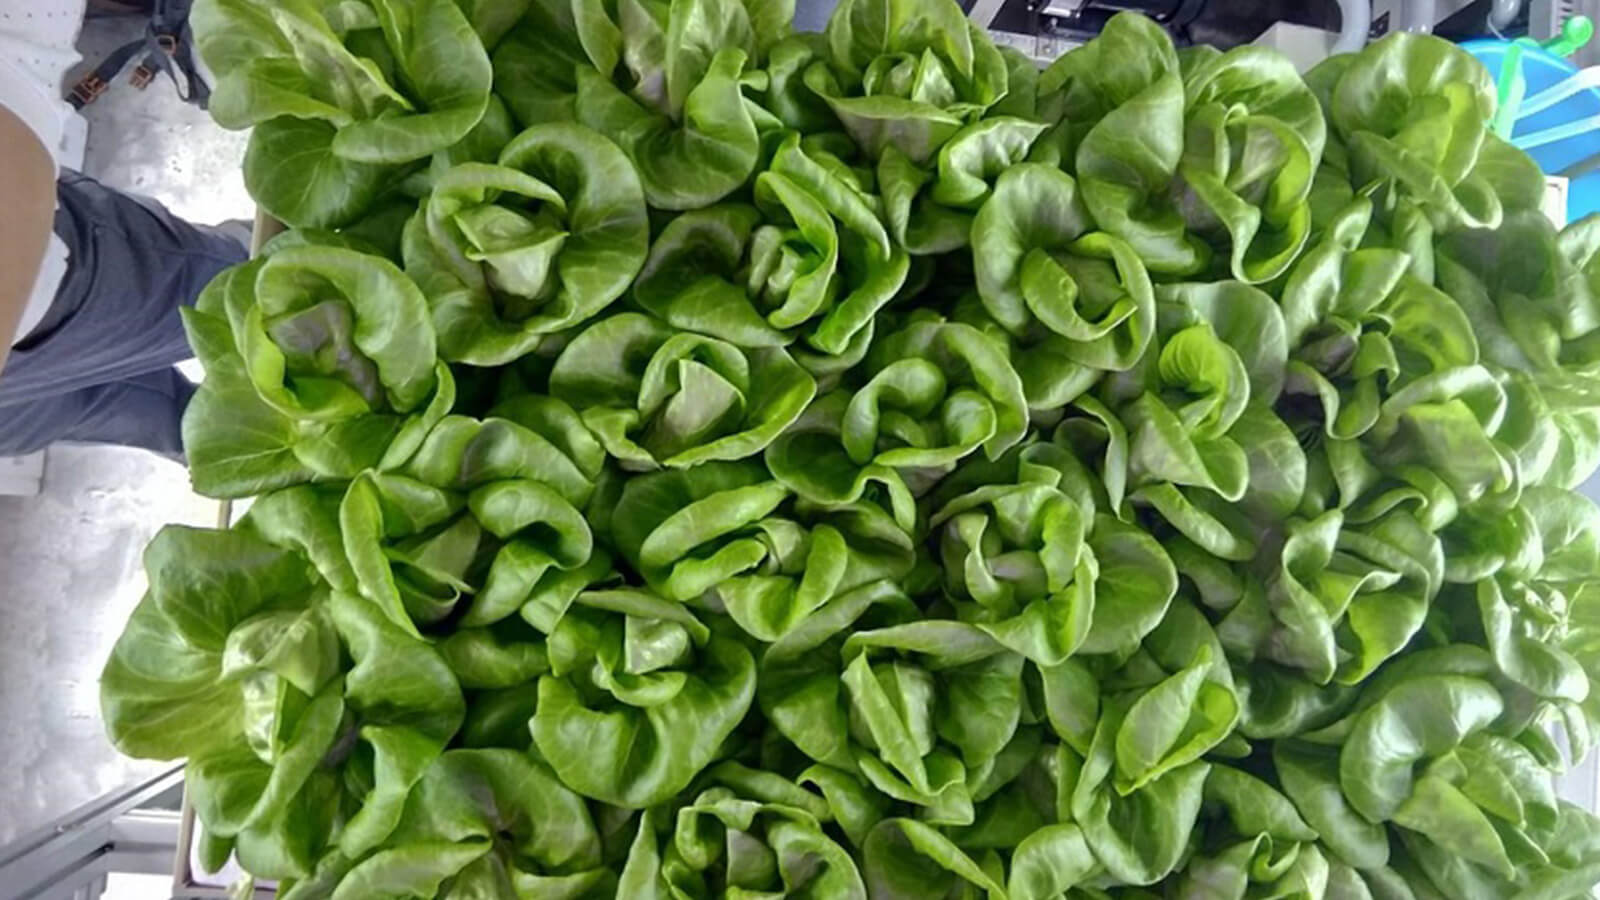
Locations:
(1510, 88)
(1576, 33)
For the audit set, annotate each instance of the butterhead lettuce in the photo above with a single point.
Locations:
(691, 459)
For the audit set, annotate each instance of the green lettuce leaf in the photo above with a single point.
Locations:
(658, 397)
(905, 75)
(511, 252)
(810, 261)
(640, 697)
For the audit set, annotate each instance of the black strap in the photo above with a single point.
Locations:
(167, 46)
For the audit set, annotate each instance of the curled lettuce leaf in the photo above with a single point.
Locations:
(536, 64)
(1058, 288)
(292, 172)
(1030, 561)
(1207, 156)
(327, 356)
(749, 830)
(176, 649)
(657, 397)
(1174, 721)
(810, 260)
(1138, 837)
(936, 393)
(1414, 111)
(1253, 137)
(640, 696)
(1162, 448)
(721, 534)
(281, 740)
(865, 701)
(786, 95)
(404, 723)
(1447, 421)
(665, 85)
(1202, 397)
(329, 334)
(1263, 845)
(907, 858)
(527, 436)
(1343, 599)
(906, 75)
(489, 823)
(511, 252)
(410, 546)
(1415, 721)
(1358, 326)
(930, 209)
(1048, 857)
(911, 747)
(1015, 549)
(1120, 104)
(353, 88)
(305, 519)
(1529, 296)
(417, 551)
(1518, 597)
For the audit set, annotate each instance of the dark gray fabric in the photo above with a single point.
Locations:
(812, 15)
(98, 368)
(141, 411)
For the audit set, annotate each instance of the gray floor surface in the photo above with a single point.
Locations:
(69, 558)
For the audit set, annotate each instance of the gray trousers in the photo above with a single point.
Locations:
(99, 368)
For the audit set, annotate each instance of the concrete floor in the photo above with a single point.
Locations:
(69, 557)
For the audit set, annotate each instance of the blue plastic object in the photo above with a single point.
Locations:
(1541, 70)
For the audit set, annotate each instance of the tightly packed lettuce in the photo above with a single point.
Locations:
(919, 708)
(295, 753)
(339, 94)
(640, 696)
(1203, 447)
(659, 397)
(746, 831)
(320, 363)
(935, 393)
(810, 258)
(665, 83)
(480, 823)
(862, 466)
(930, 209)
(904, 77)
(715, 535)
(1187, 160)
(538, 242)
(1413, 115)
(414, 548)
(1029, 560)
(1072, 303)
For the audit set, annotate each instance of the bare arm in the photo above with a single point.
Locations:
(28, 202)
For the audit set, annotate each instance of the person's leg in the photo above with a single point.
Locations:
(115, 316)
(144, 411)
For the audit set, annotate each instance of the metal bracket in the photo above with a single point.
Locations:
(984, 11)
(70, 858)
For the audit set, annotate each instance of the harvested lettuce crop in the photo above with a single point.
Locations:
(696, 460)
